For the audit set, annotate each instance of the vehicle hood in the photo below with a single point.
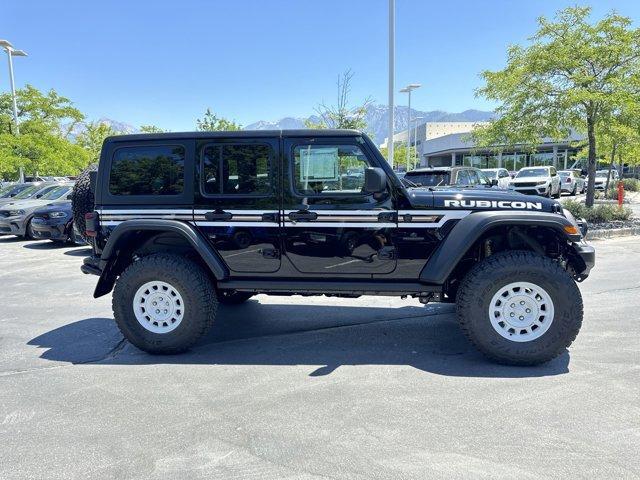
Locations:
(529, 179)
(64, 206)
(479, 199)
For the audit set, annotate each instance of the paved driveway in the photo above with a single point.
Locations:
(308, 388)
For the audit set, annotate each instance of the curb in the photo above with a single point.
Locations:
(612, 233)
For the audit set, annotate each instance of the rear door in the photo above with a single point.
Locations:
(237, 201)
(331, 227)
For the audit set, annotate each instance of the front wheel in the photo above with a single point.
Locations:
(164, 303)
(519, 308)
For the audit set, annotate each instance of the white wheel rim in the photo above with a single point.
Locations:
(521, 312)
(158, 307)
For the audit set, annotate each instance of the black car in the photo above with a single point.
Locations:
(163, 214)
(55, 222)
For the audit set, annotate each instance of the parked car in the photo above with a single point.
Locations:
(54, 221)
(15, 217)
(572, 182)
(543, 181)
(448, 176)
(10, 191)
(27, 191)
(601, 179)
(500, 174)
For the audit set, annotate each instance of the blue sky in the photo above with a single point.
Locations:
(163, 62)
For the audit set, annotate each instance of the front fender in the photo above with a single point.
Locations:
(453, 248)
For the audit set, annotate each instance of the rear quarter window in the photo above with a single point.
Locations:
(147, 170)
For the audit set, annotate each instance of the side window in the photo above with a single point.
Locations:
(504, 173)
(553, 172)
(328, 169)
(147, 170)
(240, 169)
(463, 178)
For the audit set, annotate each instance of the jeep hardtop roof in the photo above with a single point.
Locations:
(306, 132)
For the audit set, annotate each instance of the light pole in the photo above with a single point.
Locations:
(408, 89)
(415, 139)
(12, 52)
(392, 68)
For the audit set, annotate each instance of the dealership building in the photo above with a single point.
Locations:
(459, 149)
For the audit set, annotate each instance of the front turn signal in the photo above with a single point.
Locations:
(571, 230)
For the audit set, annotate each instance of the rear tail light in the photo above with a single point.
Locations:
(91, 224)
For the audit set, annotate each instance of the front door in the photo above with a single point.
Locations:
(331, 227)
(237, 202)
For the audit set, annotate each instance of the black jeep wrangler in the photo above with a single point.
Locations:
(180, 222)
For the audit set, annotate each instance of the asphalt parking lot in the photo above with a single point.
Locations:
(306, 388)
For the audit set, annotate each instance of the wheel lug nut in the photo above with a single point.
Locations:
(165, 310)
(155, 303)
(513, 314)
(157, 311)
(513, 305)
(521, 317)
(521, 302)
(528, 310)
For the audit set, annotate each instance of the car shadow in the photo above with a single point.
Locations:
(44, 245)
(78, 251)
(321, 337)
(10, 239)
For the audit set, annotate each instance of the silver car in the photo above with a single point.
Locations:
(571, 182)
(15, 217)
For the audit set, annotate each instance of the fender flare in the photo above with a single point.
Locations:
(123, 232)
(465, 233)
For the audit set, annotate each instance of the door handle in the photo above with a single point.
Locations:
(302, 216)
(217, 216)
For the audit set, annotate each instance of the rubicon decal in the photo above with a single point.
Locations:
(493, 204)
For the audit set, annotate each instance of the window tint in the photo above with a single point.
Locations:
(329, 169)
(236, 169)
(474, 178)
(428, 179)
(149, 170)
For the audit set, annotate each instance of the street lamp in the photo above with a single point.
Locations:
(392, 72)
(12, 52)
(408, 89)
(415, 139)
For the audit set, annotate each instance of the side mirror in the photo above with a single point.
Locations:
(375, 180)
(494, 182)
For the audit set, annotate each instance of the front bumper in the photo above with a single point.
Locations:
(52, 229)
(12, 226)
(537, 190)
(587, 260)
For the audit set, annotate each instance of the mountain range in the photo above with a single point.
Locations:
(377, 117)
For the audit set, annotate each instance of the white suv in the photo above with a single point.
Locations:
(543, 181)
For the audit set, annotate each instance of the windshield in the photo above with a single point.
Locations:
(533, 172)
(564, 174)
(12, 190)
(27, 192)
(601, 174)
(57, 192)
(428, 179)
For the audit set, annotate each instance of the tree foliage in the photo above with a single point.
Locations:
(400, 155)
(574, 74)
(341, 115)
(93, 136)
(39, 112)
(152, 129)
(211, 122)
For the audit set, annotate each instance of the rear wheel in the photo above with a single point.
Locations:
(519, 308)
(164, 303)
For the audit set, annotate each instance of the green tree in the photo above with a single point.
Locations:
(40, 153)
(211, 122)
(341, 115)
(92, 137)
(573, 74)
(400, 155)
(39, 112)
(151, 129)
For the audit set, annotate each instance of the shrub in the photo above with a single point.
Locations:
(598, 213)
(631, 184)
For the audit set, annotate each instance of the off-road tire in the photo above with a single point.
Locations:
(487, 277)
(82, 199)
(233, 297)
(193, 284)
